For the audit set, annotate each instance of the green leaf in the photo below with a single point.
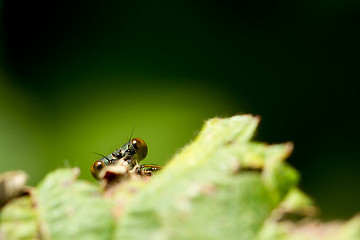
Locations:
(212, 189)
(19, 220)
(311, 230)
(221, 186)
(70, 209)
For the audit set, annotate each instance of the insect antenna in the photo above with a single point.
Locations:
(132, 131)
(101, 155)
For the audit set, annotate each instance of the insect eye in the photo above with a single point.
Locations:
(140, 148)
(96, 168)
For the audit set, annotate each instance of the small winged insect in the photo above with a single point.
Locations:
(130, 154)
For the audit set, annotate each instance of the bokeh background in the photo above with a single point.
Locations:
(77, 76)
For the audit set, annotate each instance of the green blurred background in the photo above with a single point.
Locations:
(77, 76)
